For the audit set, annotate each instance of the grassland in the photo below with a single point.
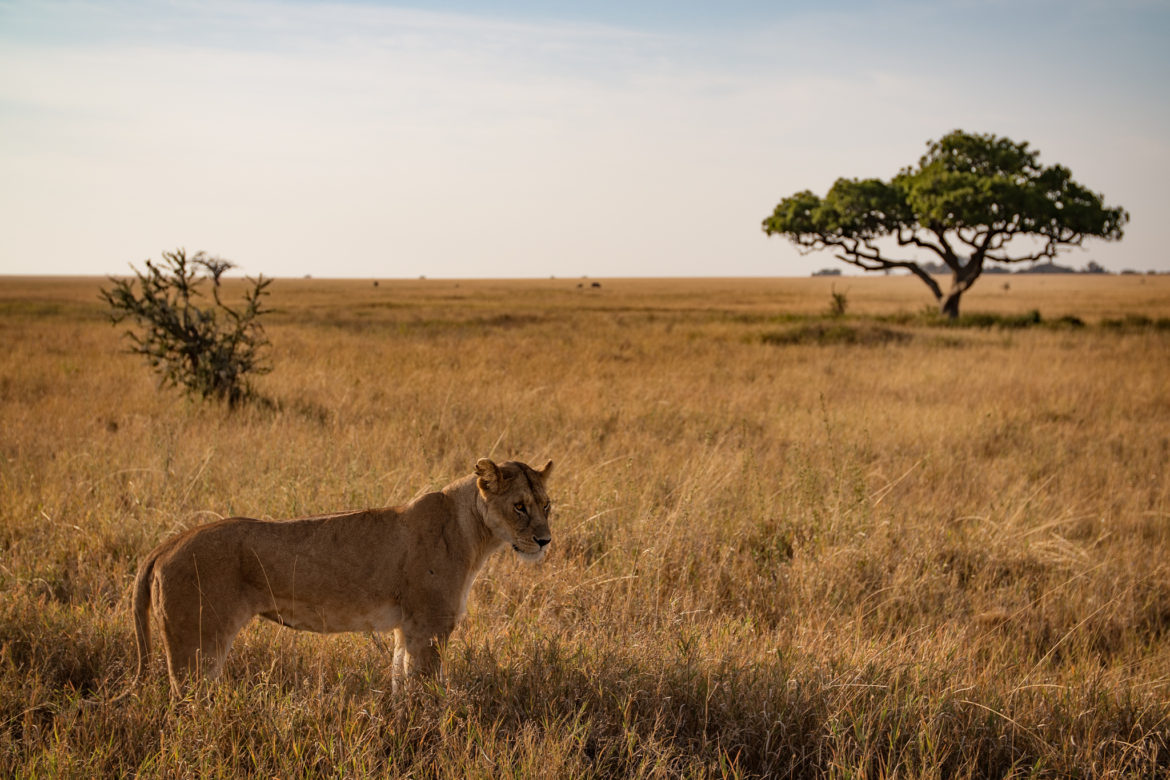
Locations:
(784, 544)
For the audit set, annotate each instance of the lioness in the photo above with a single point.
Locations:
(407, 569)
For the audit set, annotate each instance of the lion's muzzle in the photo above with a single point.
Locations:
(534, 551)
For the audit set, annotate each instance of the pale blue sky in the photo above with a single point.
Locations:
(518, 138)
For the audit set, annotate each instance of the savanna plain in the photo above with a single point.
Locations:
(785, 543)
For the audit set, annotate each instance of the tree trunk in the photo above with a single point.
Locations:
(949, 304)
(962, 277)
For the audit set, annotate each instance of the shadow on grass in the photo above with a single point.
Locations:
(559, 706)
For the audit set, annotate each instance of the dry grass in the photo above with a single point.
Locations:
(938, 554)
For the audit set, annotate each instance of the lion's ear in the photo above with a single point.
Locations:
(489, 475)
(545, 472)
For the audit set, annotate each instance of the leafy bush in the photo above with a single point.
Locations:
(210, 350)
(1136, 322)
(976, 320)
(1067, 321)
(833, 333)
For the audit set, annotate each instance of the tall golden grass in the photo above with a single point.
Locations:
(784, 544)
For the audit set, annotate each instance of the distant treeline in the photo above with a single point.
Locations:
(1036, 268)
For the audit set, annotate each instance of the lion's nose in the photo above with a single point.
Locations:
(542, 542)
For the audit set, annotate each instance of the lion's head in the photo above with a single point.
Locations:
(517, 505)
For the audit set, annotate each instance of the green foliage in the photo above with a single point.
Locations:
(970, 199)
(209, 350)
(971, 182)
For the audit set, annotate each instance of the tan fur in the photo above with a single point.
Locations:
(403, 569)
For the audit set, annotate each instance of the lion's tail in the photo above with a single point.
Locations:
(142, 585)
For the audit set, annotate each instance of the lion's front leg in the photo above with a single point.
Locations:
(398, 667)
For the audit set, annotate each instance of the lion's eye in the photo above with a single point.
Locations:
(520, 509)
(547, 507)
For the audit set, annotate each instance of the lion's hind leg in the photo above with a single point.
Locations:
(196, 642)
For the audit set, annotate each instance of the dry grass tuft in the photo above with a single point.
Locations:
(908, 551)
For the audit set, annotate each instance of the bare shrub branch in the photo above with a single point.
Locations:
(210, 349)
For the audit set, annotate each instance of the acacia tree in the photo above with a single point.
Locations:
(970, 200)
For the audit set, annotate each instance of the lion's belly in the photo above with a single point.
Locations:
(379, 618)
(334, 619)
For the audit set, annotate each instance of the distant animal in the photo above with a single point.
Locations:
(404, 569)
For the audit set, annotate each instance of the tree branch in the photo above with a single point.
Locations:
(948, 255)
(873, 261)
(910, 238)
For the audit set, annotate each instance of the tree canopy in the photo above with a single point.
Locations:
(970, 199)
